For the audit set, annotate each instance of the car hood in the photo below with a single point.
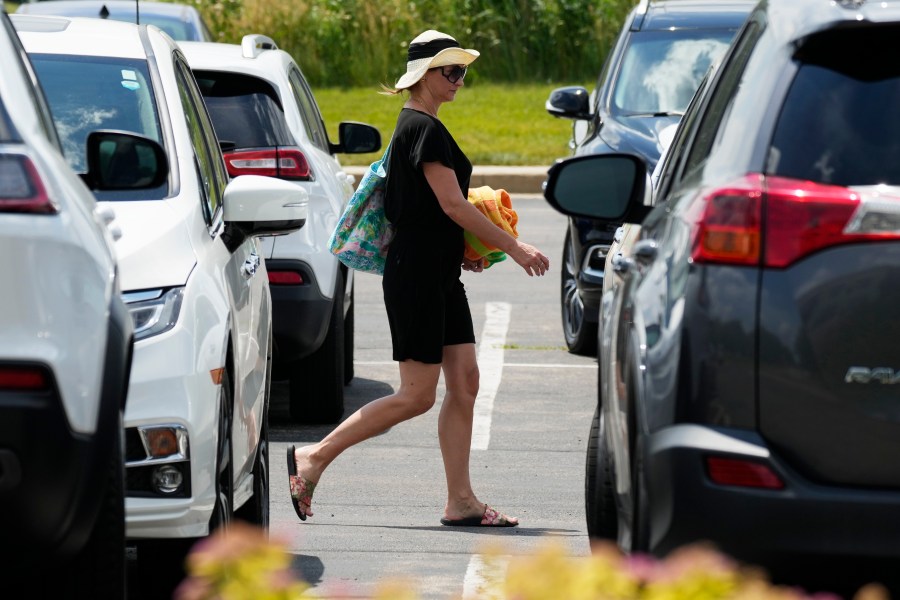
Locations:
(638, 134)
(154, 250)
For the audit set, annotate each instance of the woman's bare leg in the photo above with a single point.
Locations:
(418, 389)
(461, 377)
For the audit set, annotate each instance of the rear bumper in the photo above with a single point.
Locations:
(300, 313)
(803, 520)
(53, 481)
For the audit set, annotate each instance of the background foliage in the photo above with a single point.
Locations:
(360, 42)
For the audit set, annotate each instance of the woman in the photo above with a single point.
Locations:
(429, 317)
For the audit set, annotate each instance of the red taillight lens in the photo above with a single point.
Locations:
(727, 223)
(742, 473)
(804, 216)
(21, 188)
(284, 163)
(801, 217)
(285, 278)
(23, 378)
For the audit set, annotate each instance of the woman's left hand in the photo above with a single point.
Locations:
(476, 266)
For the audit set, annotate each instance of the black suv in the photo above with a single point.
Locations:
(663, 51)
(749, 366)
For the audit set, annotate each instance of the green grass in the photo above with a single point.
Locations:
(494, 124)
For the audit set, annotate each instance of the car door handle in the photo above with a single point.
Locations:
(620, 264)
(645, 251)
(250, 266)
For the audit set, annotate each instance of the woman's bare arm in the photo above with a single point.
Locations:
(443, 182)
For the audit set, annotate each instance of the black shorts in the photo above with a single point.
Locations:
(426, 311)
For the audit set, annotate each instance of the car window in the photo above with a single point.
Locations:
(720, 98)
(661, 69)
(312, 118)
(847, 111)
(209, 158)
(245, 110)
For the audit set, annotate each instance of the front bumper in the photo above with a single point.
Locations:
(169, 388)
(803, 520)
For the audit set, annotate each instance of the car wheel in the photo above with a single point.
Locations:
(317, 382)
(223, 510)
(599, 499)
(349, 341)
(256, 510)
(581, 336)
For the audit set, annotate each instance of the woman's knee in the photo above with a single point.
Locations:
(420, 403)
(465, 386)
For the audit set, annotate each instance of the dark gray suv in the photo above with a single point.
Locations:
(749, 366)
(662, 52)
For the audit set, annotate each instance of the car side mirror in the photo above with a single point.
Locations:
(122, 160)
(606, 187)
(570, 103)
(356, 138)
(254, 205)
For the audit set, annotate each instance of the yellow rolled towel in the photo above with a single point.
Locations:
(496, 205)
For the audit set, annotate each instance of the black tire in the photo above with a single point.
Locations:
(256, 510)
(349, 341)
(316, 392)
(223, 510)
(580, 335)
(599, 492)
(640, 525)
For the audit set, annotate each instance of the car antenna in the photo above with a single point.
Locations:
(104, 12)
(137, 12)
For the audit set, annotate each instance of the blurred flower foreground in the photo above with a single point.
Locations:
(243, 563)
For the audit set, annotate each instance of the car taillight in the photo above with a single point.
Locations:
(742, 473)
(803, 216)
(24, 378)
(776, 221)
(285, 278)
(727, 222)
(284, 163)
(21, 188)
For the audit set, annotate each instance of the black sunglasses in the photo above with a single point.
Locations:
(456, 73)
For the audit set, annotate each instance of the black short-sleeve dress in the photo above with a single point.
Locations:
(426, 302)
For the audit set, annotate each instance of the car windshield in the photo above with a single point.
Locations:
(661, 69)
(88, 93)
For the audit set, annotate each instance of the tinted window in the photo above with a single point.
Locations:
(87, 93)
(661, 69)
(839, 123)
(246, 111)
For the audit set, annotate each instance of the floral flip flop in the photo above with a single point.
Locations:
(301, 488)
(490, 518)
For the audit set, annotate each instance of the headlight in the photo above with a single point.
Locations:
(154, 312)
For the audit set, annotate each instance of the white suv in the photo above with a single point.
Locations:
(65, 354)
(269, 123)
(191, 273)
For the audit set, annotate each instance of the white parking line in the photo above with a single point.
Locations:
(476, 580)
(490, 366)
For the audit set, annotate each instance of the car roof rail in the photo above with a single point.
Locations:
(254, 44)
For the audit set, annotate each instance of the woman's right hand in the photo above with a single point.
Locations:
(531, 259)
